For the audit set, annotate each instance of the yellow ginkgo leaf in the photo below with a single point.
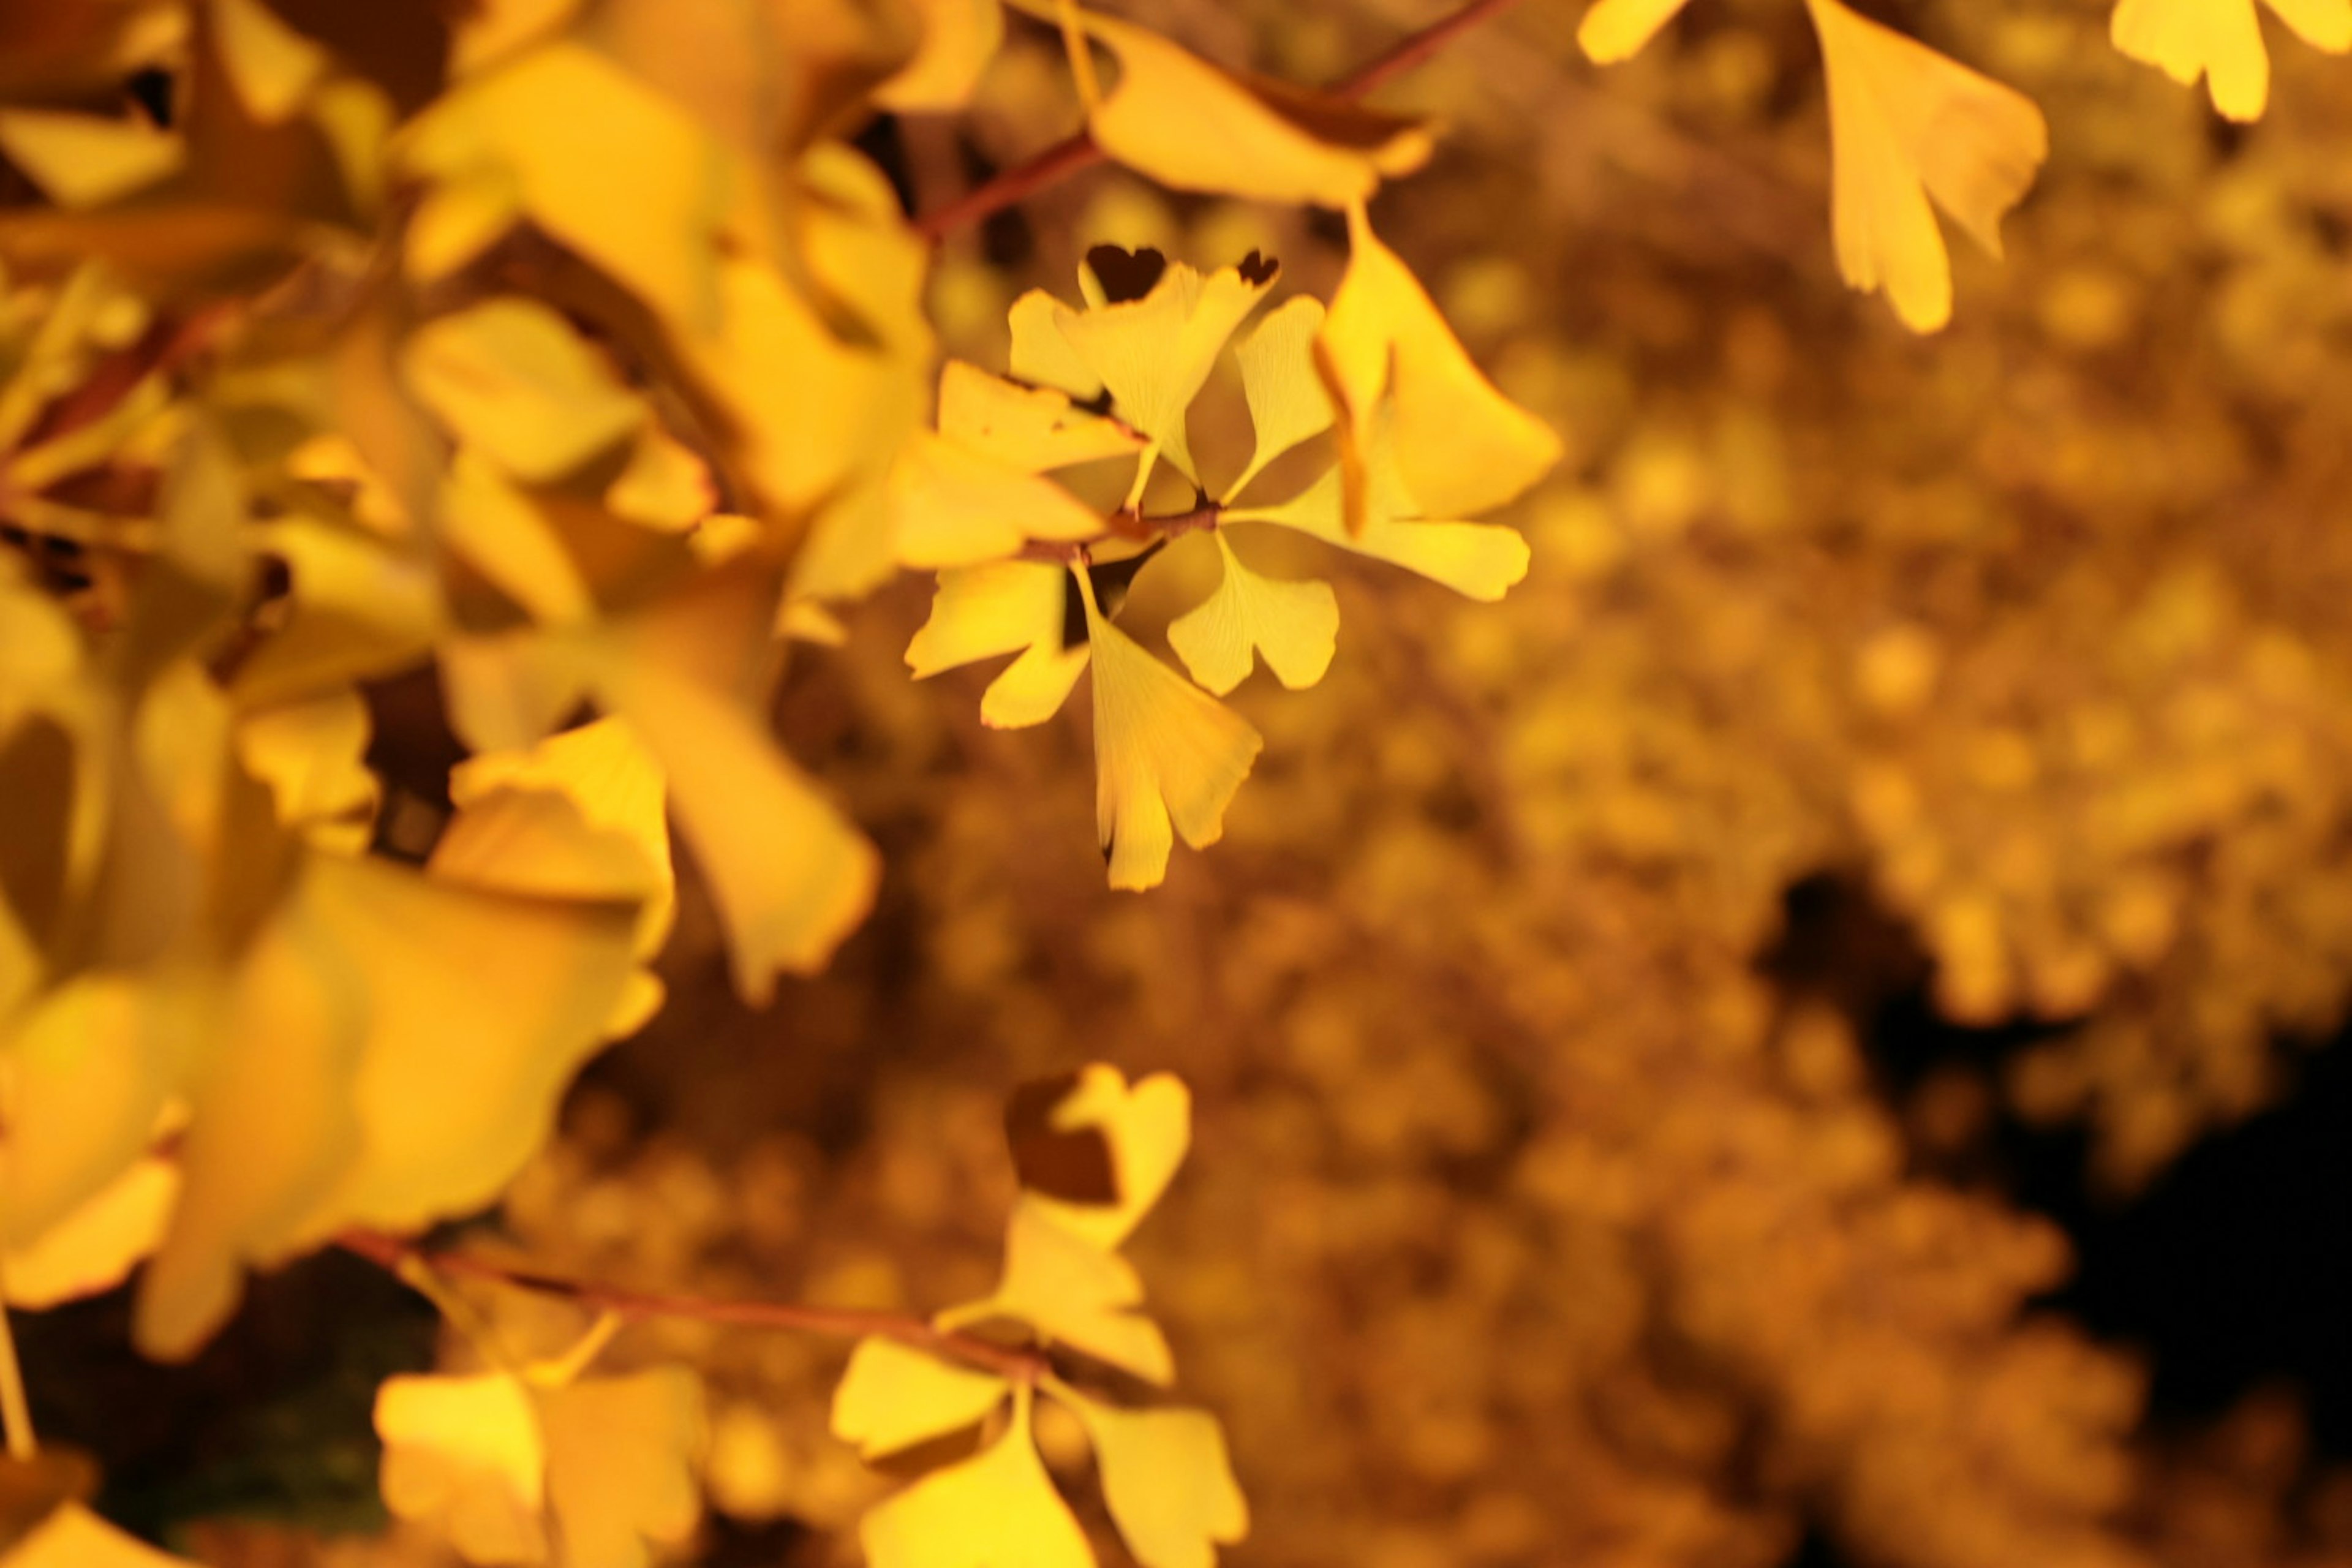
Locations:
(959, 37)
(622, 1456)
(789, 873)
(579, 816)
(1168, 1481)
(1151, 335)
(1145, 1131)
(609, 167)
(361, 607)
(893, 1397)
(1478, 560)
(73, 1537)
(1614, 30)
(1287, 403)
(1295, 624)
(510, 1467)
(1195, 127)
(1166, 754)
(1006, 606)
(1072, 1292)
(466, 1454)
(996, 1510)
(1041, 356)
(94, 1248)
(272, 67)
(513, 379)
(1032, 428)
(664, 485)
(313, 753)
(1462, 446)
(1908, 123)
(90, 1068)
(2222, 41)
(88, 160)
(954, 505)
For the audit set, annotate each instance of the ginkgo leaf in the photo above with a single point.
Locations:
(360, 1072)
(1477, 560)
(954, 505)
(88, 160)
(1908, 123)
(466, 1454)
(511, 378)
(92, 1065)
(959, 37)
(1153, 345)
(510, 1467)
(1614, 30)
(1166, 754)
(360, 606)
(1145, 1131)
(1006, 607)
(94, 1248)
(622, 1456)
(579, 816)
(2222, 41)
(789, 873)
(1295, 624)
(1167, 1480)
(485, 517)
(1287, 403)
(272, 67)
(893, 1397)
(313, 753)
(1194, 127)
(568, 138)
(1074, 1292)
(664, 485)
(1462, 446)
(996, 1510)
(1032, 428)
(73, 1537)
(1041, 356)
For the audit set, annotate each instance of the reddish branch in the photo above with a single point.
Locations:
(1067, 157)
(1011, 1362)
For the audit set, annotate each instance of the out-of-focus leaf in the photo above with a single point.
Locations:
(1295, 624)
(959, 37)
(1006, 607)
(513, 379)
(1168, 1482)
(1193, 126)
(1166, 754)
(311, 753)
(73, 1537)
(1462, 446)
(467, 1454)
(893, 1397)
(1908, 123)
(360, 606)
(272, 67)
(1614, 30)
(621, 1454)
(95, 1246)
(85, 159)
(995, 1510)
(2221, 41)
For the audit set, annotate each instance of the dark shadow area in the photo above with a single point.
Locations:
(2227, 1274)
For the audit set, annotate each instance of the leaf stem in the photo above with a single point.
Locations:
(1021, 1366)
(1067, 156)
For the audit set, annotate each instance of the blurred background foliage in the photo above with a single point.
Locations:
(1754, 1050)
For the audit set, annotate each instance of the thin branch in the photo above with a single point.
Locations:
(1009, 1362)
(1067, 157)
(1125, 525)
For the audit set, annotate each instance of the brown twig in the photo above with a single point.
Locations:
(1011, 1362)
(1126, 525)
(1067, 157)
